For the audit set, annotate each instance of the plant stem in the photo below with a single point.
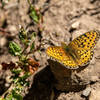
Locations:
(29, 2)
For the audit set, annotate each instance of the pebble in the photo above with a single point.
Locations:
(0, 67)
(12, 28)
(8, 80)
(86, 92)
(7, 84)
(3, 41)
(75, 25)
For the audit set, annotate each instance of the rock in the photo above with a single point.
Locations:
(7, 84)
(86, 92)
(8, 80)
(3, 41)
(75, 25)
(12, 28)
(0, 67)
(69, 96)
(68, 80)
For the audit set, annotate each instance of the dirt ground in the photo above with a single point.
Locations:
(64, 20)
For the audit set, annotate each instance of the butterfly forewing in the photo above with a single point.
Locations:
(86, 41)
(82, 47)
(61, 56)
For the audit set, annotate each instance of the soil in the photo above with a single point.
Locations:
(63, 20)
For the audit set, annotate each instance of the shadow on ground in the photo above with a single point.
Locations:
(42, 86)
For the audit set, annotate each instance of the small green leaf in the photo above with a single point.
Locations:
(34, 34)
(9, 97)
(33, 14)
(32, 46)
(16, 96)
(22, 34)
(25, 76)
(16, 71)
(32, 37)
(14, 49)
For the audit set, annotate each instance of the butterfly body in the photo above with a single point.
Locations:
(77, 53)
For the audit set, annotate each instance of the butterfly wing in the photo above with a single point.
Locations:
(86, 41)
(59, 54)
(82, 47)
(85, 58)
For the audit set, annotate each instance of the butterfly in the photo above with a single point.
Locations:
(78, 52)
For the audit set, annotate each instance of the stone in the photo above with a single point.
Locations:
(86, 92)
(75, 25)
(3, 41)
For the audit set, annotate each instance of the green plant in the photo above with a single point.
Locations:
(23, 68)
(26, 65)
